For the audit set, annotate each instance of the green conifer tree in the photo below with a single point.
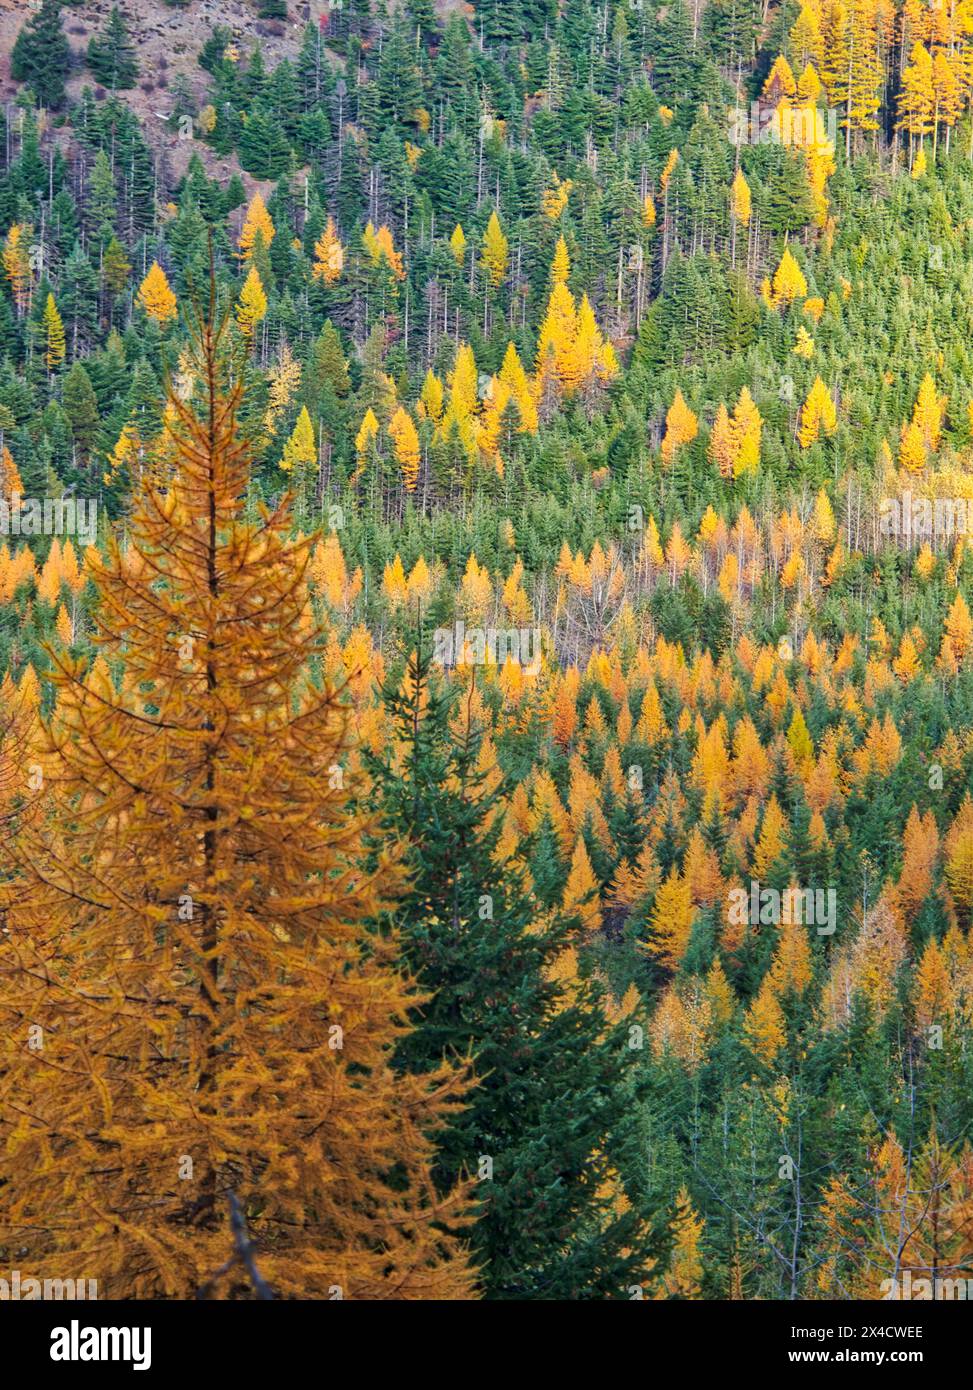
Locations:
(554, 1121)
(111, 54)
(41, 55)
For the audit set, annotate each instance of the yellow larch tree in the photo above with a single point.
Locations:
(463, 403)
(834, 57)
(329, 255)
(804, 346)
(788, 282)
(128, 454)
(554, 198)
(457, 244)
(764, 1028)
(958, 630)
(740, 204)
(805, 34)
(381, 248)
(817, 414)
(772, 843)
(561, 264)
(495, 252)
(819, 162)
(394, 584)
(920, 852)
(682, 427)
(64, 627)
(16, 264)
(907, 664)
(556, 357)
(257, 222)
(513, 374)
(912, 448)
(722, 447)
(671, 922)
(156, 297)
(917, 99)
(928, 413)
(199, 893)
(10, 483)
(596, 359)
(958, 855)
(54, 333)
(405, 442)
(748, 425)
(366, 436)
(300, 450)
(780, 80)
(865, 77)
(251, 307)
(580, 897)
(283, 380)
(950, 81)
(431, 397)
(683, 1277)
(809, 86)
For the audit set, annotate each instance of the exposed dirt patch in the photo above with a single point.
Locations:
(168, 41)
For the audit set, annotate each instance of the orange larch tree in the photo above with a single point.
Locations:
(192, 1007)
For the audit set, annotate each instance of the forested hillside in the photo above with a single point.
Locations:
(486, 724)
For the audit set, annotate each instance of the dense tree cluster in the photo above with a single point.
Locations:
(623, 330)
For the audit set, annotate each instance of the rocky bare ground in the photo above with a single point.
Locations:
(168, 40)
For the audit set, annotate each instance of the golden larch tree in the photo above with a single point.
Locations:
(671, 922)
(329, 255)
(54, 334)
(252, 305)
(928, 413)
(405, 441)
(682, 427)
(581, 890)
(817, 414)
(16, 264)
(457, 244)
(380, 247)
(740, 203)
(685, 1272)
(257, 222)
(916, 97)
(494, 254)
(156, 296)
(301, 450)
(192, 1005)
(907, 1217)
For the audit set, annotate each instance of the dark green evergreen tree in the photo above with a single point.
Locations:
(264, 150)
(81, 408)
(41, 55)
(111, 54)
(557, 1108)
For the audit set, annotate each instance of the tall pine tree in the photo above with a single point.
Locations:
(552, 1128)
(41, 55)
